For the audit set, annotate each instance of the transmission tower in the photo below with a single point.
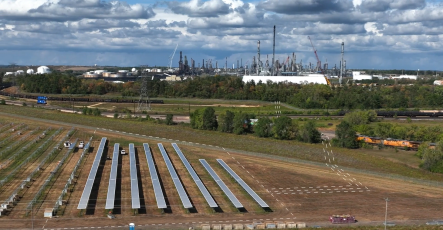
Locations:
(144, 104)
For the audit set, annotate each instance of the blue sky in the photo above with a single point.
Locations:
(378, 34)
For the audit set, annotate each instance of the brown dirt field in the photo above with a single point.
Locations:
(17, 148)
(80, 181)
(27, 195)
(25, 171)
(103, 177)
(191, 188)
(273, 181)
(172, 199)
(56, 189)
(148, 203)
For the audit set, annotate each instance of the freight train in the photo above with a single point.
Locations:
(413, 145)
(79, 99)
(406, 113)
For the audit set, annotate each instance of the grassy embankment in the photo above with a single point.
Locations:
(365, 159)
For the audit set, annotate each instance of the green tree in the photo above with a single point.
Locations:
(2, 102)
(197, 119)
(226, 122)
(209, 119)
(85, 110)
(242, 123)
(169, 119)
(345, 136)
(204, 119)
(432, 159)
(96, 112)
(116, 115)
(283, 128)
(263, 127)
(360, 117)
(309, 133)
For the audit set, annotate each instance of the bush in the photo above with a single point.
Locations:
(345, 136)
(284, 129)
(263, 127)
(96, 112)
(24, 104)
(169, 119)
(309, 133)
(116, 115)
(2, 102)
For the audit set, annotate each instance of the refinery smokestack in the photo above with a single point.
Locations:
(258, 64)
(273, 54)
(342, 63)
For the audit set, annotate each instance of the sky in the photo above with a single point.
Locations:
(378, 34)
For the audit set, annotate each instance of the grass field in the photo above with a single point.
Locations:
(365, 159)
(410, 201)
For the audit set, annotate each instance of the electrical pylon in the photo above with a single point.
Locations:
(144, 104)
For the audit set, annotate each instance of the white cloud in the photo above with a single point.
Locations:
(221, 28)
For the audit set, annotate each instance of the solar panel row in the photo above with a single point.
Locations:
(195, 177)
(134, 181)
(178, 184)
(91, 178)
(243, 184)
(112, 178)
(221, 184)
(159, 197)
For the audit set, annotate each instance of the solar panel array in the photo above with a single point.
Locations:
(134, 181)
(112, 179)
(178, 184)
(243, 184)
(159, 197)
(221, 184)
(91, 178)
(195, 177)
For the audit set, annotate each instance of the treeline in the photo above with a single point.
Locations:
(281, 128)
(420, 94)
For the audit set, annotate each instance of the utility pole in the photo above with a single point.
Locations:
(386, 213)
(32, 215)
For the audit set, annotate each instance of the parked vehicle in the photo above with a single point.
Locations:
(81, 145)
(342, 219)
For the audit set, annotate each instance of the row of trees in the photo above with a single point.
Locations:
(281, 128)
(420, 94)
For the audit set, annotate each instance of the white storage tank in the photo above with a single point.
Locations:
(43, 70)
(30, 71)
(100, 71)
(411, 77)
(301, 225)
(227, 227)
(358, 76)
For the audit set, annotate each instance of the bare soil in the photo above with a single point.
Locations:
(305, 192)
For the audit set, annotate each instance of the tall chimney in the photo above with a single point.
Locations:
(273, 54)
(342, 63)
